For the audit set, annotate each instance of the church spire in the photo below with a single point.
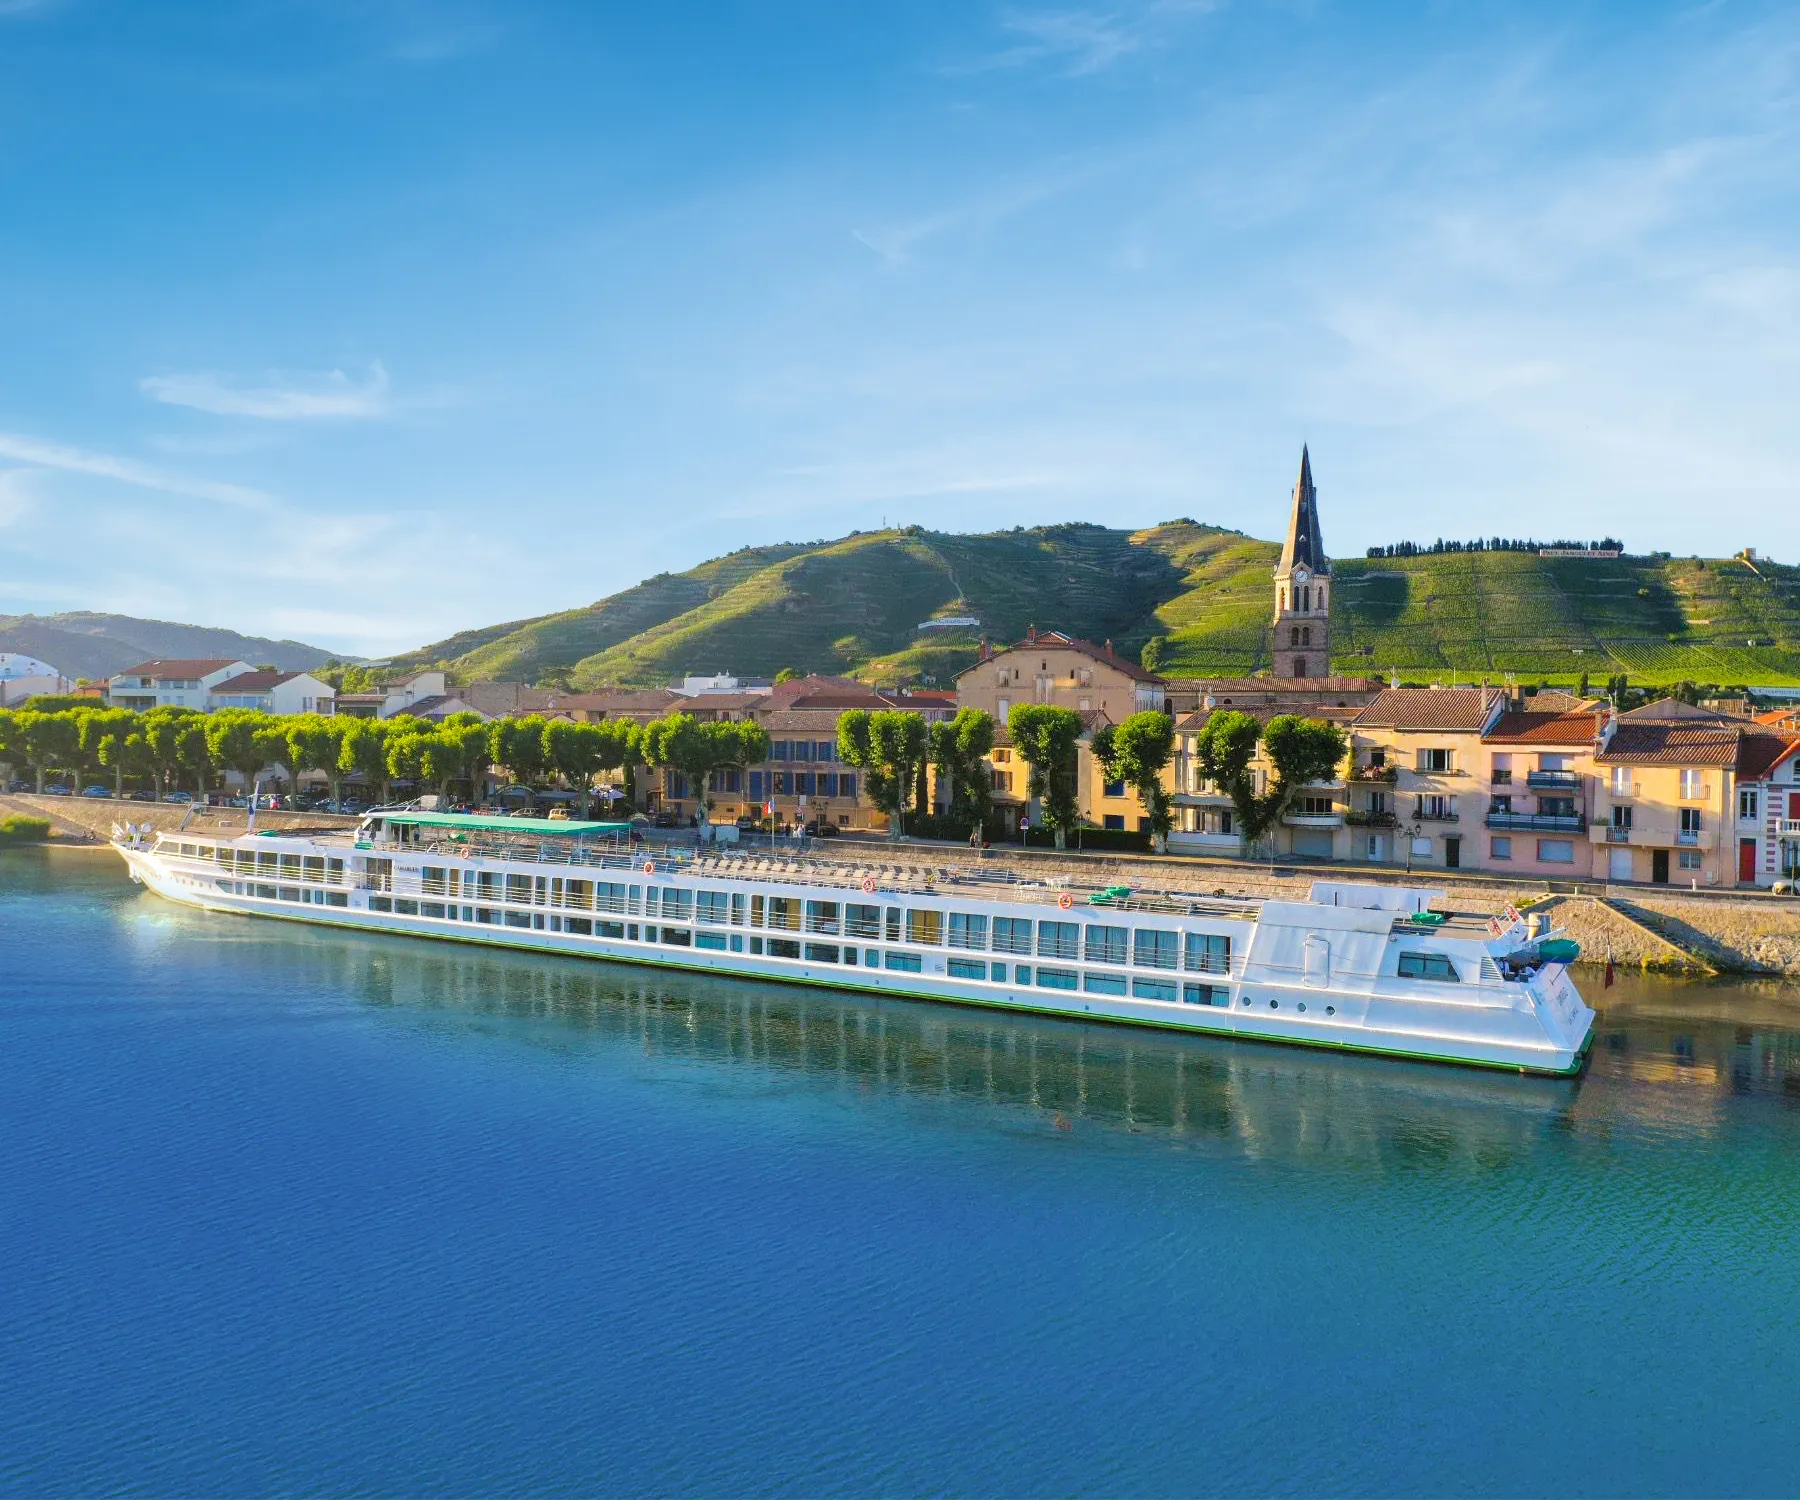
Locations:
(1303, 547)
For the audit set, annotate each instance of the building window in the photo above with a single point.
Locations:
(1747, 803)
(1502, 773)
(1427, 966)
(1688, 859)
(1556, 851)
(1115, 821)
(1621, 781)
(1692, 787)
(1113, 789)
(1434, 760)
(1499, 848)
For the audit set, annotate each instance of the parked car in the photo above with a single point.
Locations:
(96, 791)
(560, 814)
(55, 789)
(140, 796)
(178, 797)
(17, 785)
(664, 820)
(820, 830)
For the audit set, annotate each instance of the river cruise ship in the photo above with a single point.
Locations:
(1366, 968)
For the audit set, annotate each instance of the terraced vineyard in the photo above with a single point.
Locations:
(857, 605)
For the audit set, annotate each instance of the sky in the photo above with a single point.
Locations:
(364, 321)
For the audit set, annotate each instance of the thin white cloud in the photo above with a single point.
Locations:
(286, 399)
(16, 499)
(44, 455)
(1080, 42)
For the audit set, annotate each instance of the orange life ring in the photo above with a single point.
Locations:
(1065, 900)
(868, 885)
(649, 867)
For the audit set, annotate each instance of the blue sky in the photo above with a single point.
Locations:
(364, 322)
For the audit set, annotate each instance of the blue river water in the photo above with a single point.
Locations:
(295, 1211)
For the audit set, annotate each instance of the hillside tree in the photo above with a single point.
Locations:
(958, 750)
(888, 746)
(1137, 752)
(1048, 740)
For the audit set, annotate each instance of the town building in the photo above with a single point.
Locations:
(273, 693)
(404, 696)
(1302, 626)
(23, 677)
(174, 683)
(1052, 667)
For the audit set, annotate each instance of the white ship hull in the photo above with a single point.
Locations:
(1268, 987)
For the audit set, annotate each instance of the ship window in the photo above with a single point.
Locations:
(783, 948)
(290, 867)
(1153, 948)
(998, 971)
(1154, 989)
(1427, 966)
(1012, 934)
(968, 930)
(1106, 945)
(678, 904)
(784, 912)
(680, 937)
(967, 968)
(823, 953)
(893, 924)
(909, 963)
(737, 909)
(334, 871)
(1055, 979)
(376, 903)
(610, 929)
(1207, 953)
(822, 917)
(758, 908)
(314, 869)
(711, 907)
(433, 880)
(484, 914)
(518, 888)
(518, 919)
(337, 898)
(268, 862)
(710, 940)
(292, 893)
(862, 921)
(580, 926)
(579, 894)
(431, 909)
(1103, 984)
(1058, 940)
(925, 927)
(404, 908)
(1205, 994)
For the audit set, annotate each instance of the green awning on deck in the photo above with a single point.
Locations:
(564, 828)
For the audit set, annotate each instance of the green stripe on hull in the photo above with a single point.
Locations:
(1012, 1007)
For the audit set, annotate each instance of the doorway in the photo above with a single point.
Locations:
(1453, 853)
(1618, 864)
(1746, 861)
(1659, 866)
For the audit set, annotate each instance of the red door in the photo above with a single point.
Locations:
(1794, 804)
(1746, 861)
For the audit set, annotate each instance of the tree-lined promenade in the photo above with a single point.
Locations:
(931, 778)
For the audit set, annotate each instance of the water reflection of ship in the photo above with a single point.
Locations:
(1262, 1102)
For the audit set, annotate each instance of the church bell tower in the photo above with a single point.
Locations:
(1302, 630)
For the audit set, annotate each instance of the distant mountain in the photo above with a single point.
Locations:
(1204, 593)
(84, 644)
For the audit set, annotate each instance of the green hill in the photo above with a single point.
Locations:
(857, 605)
(81, 643)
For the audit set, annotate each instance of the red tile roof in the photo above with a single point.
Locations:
(1663, 742)
(1055, 640)
(1530, 728)
(179, 669)
(254, 682)
(1428, 709)
(1759, 753)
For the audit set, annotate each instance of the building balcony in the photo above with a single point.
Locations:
(1537, 822)
(1553, 781)
(1621, 791)
(1313, 820)
(1688, 837)
(1375, 773)
(1789, 828)
(1434, 817)
(1617, 833)
(1369, 819)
